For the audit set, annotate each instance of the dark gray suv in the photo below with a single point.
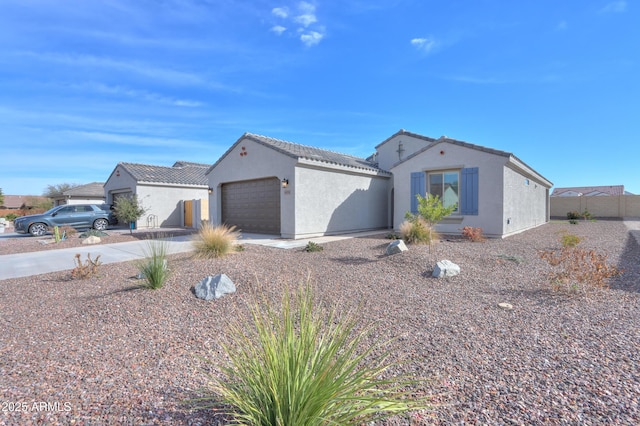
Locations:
(96, 216)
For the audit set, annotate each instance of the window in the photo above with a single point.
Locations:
(453, 187)
(446, 185)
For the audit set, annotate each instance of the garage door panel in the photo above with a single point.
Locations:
(252, 206)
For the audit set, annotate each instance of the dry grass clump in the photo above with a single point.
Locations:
(416, 231)
(85, 270)
(576, 269)
(215, 241)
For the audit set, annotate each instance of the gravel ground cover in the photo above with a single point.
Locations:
(103, 351)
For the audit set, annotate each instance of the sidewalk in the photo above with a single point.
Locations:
(44, 262)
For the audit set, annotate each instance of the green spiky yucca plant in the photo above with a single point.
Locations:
(153, 269)
(215, 241)
(300, 366)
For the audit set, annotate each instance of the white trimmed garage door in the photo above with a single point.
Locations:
(252, 205)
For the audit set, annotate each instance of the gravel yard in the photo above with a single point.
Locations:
(103, 351)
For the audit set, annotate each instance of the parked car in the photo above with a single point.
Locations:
(96, 216)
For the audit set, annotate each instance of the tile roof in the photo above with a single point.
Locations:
(298, 151)
(16, 201)
(407, 133)
(93, 189)
(586, 190)
(181, 173)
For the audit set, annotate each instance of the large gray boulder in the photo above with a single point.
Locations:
(214, 287)
(445, 269)
(395, 247)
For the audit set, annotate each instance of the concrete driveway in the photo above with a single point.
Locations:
(44, 262)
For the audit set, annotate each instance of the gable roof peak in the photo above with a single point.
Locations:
(306, 152)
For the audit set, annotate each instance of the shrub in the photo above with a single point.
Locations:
(93, 233)
(11, 216)
(573, 215)
(473, 234)
(67, 231)
(573, 221)
(416, 231)
(577, 269)
(85, 270)
(215, 241)
(154, 268)
(570, 240)
(300, 366)
(311, 247)
(393, 236)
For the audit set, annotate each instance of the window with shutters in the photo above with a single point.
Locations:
(459, 187)
(446, 185)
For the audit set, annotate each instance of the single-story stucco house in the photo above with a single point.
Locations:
(161, 190)
(90, 193)
(493, 190)
(266, 185)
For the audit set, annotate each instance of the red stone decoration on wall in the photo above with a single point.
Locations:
(244, 152)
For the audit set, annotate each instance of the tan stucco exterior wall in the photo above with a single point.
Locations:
(455, 157)
(259, 162)
(331, 202)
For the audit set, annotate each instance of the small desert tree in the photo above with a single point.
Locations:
(52, 191)
(128, 210)
(1, 197)
(431, 209)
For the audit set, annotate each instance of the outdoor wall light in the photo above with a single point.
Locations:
(285, 183)
(210, 189)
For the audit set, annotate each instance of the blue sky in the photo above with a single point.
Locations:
(87, 84)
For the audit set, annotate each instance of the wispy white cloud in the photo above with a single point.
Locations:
(166, 75)
(311, 38)
(137, 94)
(278, 29)
(280, 12)
(618, 6)
(426, 45)
(303, 18)
(307, 15)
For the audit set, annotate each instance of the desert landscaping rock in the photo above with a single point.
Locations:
(506, 306)
(92, 239)
(214, 287)
(119, 354)
(445, 269)
(396, 247)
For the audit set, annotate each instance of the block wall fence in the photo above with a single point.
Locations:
(610, 206)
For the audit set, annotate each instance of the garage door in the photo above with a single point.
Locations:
(252, 205)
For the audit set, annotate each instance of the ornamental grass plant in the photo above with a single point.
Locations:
(303, 365)
(215, 241)
(153, 269)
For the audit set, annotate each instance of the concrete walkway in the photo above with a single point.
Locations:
(633, 225)
(43, 262)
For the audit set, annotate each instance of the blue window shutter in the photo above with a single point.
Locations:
(469, 199)
(418, 186)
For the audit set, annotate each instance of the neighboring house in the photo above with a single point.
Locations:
(91, 193)
(266, 185)
(588, 191)
(17, 202)
(272, 186)
(161, 190)
(493, 190)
